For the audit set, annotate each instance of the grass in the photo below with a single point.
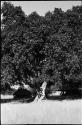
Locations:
(42, 112)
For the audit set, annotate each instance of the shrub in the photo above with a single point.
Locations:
(22, 93)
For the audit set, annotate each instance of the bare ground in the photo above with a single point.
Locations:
(42, 112)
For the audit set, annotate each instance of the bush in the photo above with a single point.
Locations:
(22, 93)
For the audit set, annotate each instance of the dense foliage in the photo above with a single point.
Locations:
(36, 49)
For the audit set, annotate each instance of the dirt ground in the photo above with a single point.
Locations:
(42, 112)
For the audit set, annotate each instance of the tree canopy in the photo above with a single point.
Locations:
(36, 48)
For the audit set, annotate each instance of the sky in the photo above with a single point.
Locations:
(41, 7)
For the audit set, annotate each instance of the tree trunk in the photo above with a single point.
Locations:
(41, 93)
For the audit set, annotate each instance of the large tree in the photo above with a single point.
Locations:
(38, 49)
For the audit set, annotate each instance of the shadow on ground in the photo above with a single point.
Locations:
(68, 96)
(61, 98)
(54, 98)
(17, 100)
(57, 98)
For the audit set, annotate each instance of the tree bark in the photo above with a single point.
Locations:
(41, 93)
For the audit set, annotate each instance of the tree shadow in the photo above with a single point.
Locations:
(6, 100)
(67, 96)
(24, 100)
(61, 98)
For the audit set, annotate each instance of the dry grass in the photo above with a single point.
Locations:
(42, 112)
(6, 96)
